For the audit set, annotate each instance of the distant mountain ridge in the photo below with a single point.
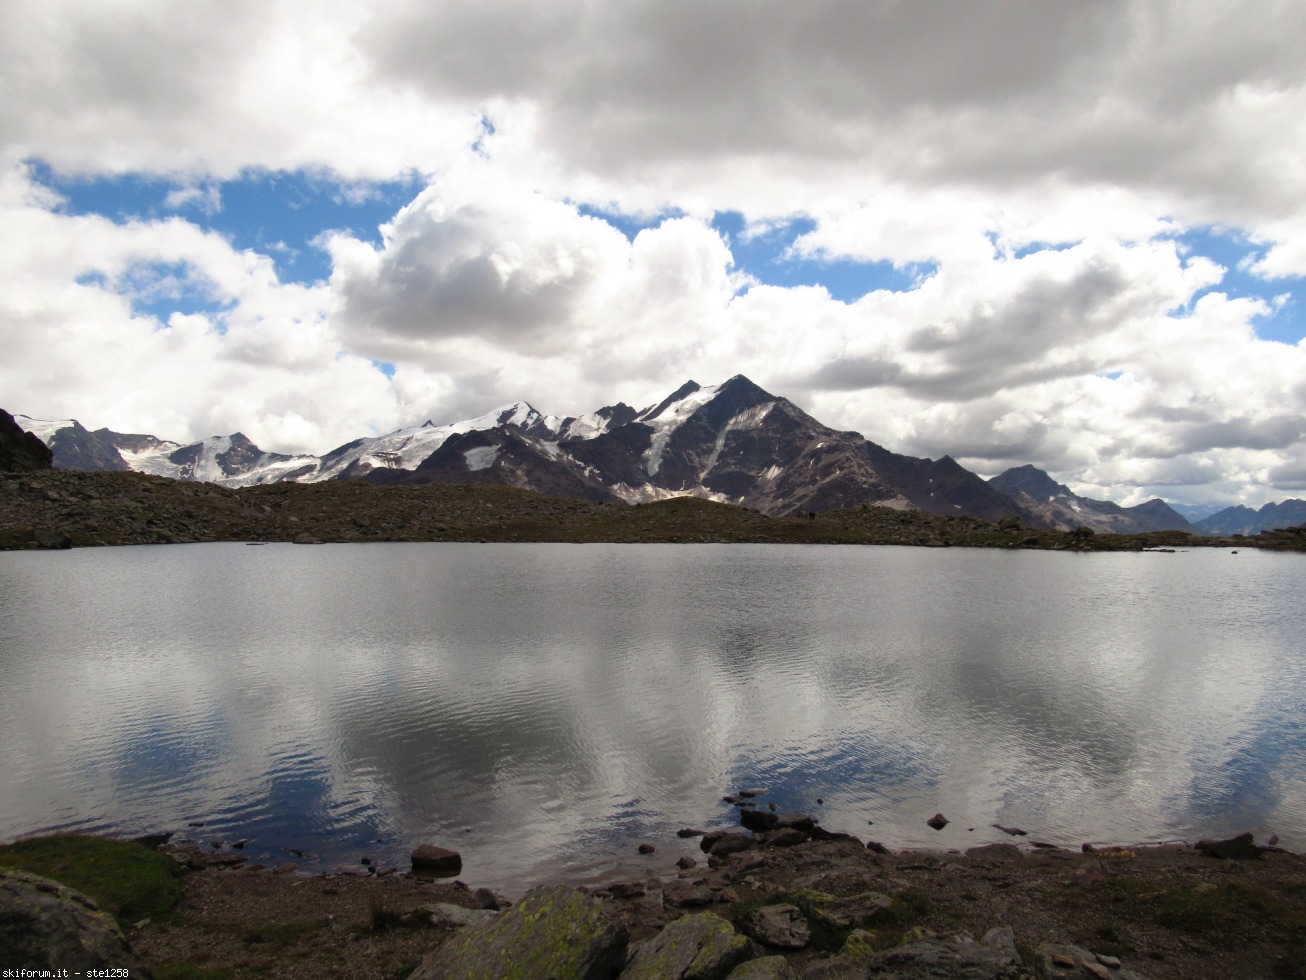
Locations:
(1244, 520)
(1058, 507)
(732, 442)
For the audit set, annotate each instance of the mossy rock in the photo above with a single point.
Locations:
(46, 926)
(764, 968)
(556, 931)
(858, 948)
(696, 947)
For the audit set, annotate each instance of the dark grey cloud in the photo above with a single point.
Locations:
(1036, 335)
(1290, 476)
(1132, 92)
(1274, 432)
(513, 272)
(852, 374)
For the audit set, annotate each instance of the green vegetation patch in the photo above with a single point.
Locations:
(1233, 915)
(129, 881)
(907, 909)
(281, 934)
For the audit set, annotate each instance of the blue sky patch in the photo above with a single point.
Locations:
(769, 258)
(1234, 251)
(277, 214)
(160, 289)
(1029, 248)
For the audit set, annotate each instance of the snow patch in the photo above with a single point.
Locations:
(153, 461)
(588, 426)
(898, 502)
(647, 494)
(207, 468)
(405, 449)
(43, 429)
(481, 458)
(671, 419)
(749, 418)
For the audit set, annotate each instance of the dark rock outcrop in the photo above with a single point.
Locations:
(20, 451)
(757, 820)
(721, 843)
(1240, 848)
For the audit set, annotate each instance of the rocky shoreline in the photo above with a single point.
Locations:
(779, 896)
(771, 903)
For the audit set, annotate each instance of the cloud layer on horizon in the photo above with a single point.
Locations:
(1043, 166)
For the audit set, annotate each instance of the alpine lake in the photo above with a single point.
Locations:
(545, 708)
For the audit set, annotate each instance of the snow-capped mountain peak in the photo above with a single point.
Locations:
(731, 442)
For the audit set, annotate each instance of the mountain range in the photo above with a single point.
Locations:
(732, 442)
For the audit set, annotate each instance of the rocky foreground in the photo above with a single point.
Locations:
(767, 904)
(780, 896)
(66, 508)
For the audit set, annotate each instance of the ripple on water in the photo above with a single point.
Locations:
(544, 707)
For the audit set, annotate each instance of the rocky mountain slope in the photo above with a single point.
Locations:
(1055, 505)
(732, 443)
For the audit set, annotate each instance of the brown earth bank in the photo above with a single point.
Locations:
(1162, 911)
(67, 508)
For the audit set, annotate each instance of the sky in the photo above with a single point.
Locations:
(1067, 234)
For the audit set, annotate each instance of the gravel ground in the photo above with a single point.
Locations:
(1165, 911)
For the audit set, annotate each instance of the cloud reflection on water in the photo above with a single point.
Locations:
(564, 701)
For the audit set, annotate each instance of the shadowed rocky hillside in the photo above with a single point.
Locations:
(63, 508)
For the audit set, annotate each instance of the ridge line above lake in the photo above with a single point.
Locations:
(65, 508)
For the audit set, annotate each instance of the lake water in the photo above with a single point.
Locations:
(543, 709)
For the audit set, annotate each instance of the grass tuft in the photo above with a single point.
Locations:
(129, 881)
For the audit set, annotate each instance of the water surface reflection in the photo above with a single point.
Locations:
(544, 707)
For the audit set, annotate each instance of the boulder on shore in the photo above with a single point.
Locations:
(440, 861)
(778, 925)
(702, 946)
(1240, 848)
(556, 931)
